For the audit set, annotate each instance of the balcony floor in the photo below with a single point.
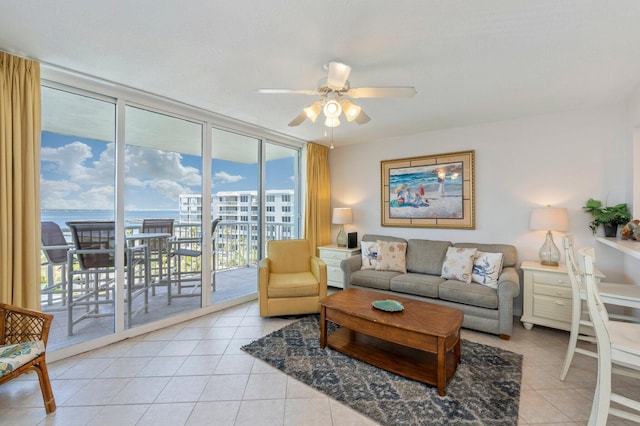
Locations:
(230, 284)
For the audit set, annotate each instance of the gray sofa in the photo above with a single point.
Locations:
(485, 309)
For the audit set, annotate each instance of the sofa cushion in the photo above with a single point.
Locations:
(469, 294)
(300, 284)
(392, 256)
(374, 238)
(458, 264)
(426, 256)
(417, 284)
(369, 250)
(509, 252)
(486, 268)
(15, 356)
(373, 279)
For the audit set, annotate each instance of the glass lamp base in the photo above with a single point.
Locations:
(549, 253)
(342, 237)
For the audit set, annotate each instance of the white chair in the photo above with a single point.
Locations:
(618, 342)
(615, 294)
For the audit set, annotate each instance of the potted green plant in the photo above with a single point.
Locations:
(608, 216)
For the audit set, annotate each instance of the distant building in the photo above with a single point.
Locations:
(190, 208)
(239, 213)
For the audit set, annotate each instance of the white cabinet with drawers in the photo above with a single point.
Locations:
(547, 296)
(332, 255)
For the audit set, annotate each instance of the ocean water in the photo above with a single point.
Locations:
(132, 217)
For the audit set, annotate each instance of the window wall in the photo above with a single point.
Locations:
(163, 161)
(77, 183)
(117, 155)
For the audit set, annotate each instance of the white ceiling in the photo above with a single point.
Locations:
(471, 61)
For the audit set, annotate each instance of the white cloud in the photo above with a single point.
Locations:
(168, 188)
(227, 178)
(148, 164)
(73, 178)
(65, 194)
(53, 193)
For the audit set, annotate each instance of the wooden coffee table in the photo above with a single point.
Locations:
(421, 342)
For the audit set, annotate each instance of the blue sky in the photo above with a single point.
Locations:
(78, 173)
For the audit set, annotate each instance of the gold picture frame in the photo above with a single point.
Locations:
(432, 191)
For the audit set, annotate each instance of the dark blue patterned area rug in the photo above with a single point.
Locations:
(485, 389)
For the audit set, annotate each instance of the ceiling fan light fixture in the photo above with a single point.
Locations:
(332, 122)
(351, 110)
(332, 109)
(337, 75)
(313, 111)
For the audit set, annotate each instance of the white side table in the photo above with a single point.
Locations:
(332, 255)
(547, 295)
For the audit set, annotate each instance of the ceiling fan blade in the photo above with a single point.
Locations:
(362, 118)
(289, 91)
(337, 75)
(299, 119)
(383, 92)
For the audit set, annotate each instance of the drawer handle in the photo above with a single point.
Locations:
(560, 281)
(560, 303)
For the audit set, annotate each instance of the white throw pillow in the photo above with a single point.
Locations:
(369, 251)
(392, 256)
(458, 265)
(487, 268)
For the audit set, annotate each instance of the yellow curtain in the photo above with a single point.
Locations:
(317, 221)
(20, 123)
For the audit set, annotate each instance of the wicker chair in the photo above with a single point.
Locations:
(23, 342)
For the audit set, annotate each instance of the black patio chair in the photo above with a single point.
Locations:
(186, 268)
(94, 255)
(54, 247)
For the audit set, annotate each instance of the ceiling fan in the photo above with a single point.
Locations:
(334, 91)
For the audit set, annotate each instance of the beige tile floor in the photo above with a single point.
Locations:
(194, 373)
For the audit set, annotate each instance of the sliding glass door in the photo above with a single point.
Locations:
(175, 212)
(162, 169)
(281, 211)
(235, 187)
(77, 165)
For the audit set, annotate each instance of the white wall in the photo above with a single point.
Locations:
(560, 159)
(631, 264)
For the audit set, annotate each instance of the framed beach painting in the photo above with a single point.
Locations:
(433, 191)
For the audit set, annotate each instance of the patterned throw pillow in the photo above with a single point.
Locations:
(458, 265)
(369, 254)
(487, 268)
(392, 256)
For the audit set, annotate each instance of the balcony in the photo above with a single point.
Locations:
(236, 262)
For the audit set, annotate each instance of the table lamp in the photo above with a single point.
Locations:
(549, 219)
(342, 216)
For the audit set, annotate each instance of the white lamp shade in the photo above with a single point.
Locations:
(332, 122)
(342, 215)
(549, 219)
(313, 111)
(332, 109)
(351, 110)
(338, 73)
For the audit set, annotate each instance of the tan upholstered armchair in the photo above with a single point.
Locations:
(291, 280)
